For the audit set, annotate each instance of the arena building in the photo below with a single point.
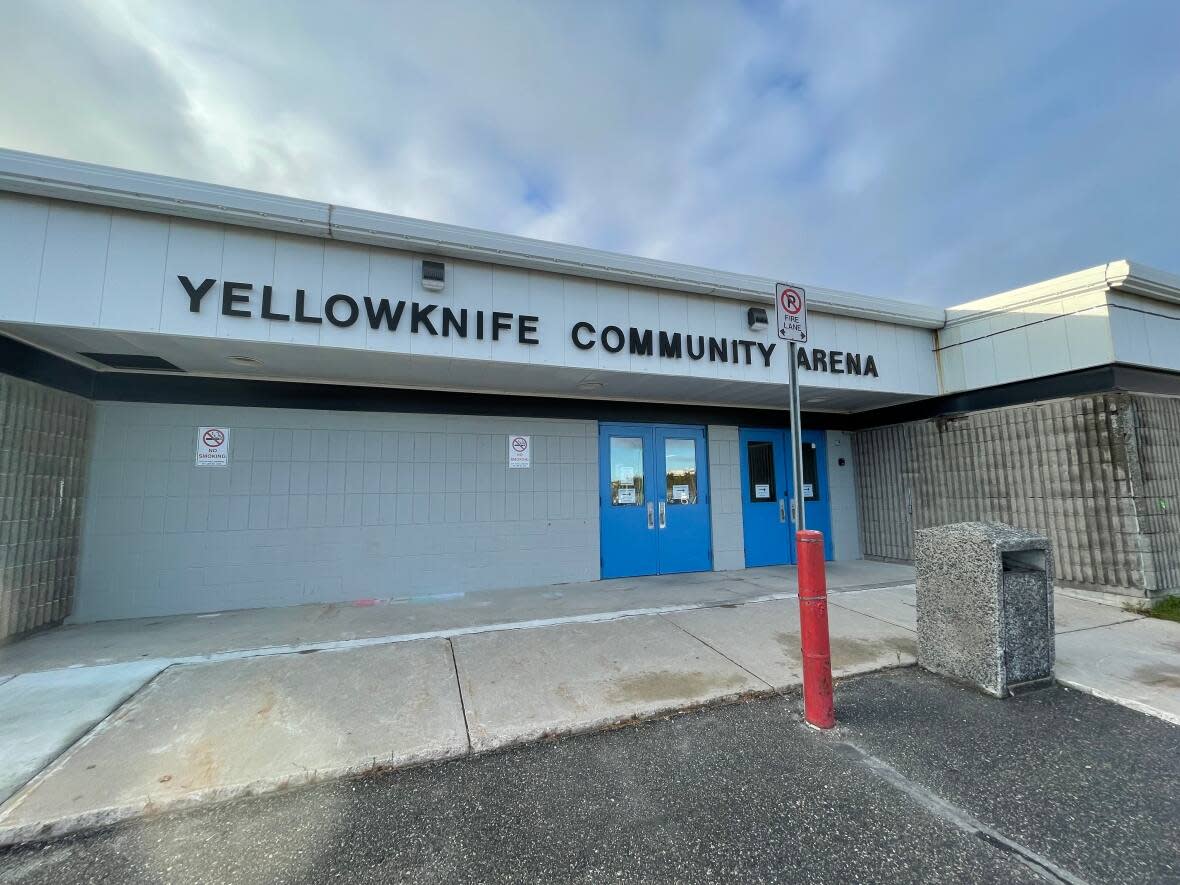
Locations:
(215, 399)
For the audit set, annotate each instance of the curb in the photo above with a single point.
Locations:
(98, 818)
(95, 818)
(454, 632)
(1130, 704)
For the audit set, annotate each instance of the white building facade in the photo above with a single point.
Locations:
(406, 408)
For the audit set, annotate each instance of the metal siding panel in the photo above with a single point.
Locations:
(195, 251)
(298, 264)
(248, 257)
(547, 301)
(23, 225)
(347, 272)
(74, 265)
(133, 289)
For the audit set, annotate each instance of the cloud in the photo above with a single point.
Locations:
(926, 151)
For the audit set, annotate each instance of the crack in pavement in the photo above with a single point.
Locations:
(958, 817)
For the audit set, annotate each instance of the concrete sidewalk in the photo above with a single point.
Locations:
(922, 782)
(224, 635)
(249, 724)
(1103, 650)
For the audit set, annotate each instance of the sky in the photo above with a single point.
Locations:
(932, 151)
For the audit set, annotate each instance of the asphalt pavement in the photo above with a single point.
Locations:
(922, 782)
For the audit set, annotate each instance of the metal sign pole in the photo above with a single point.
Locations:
(814, 642)
(798, 510)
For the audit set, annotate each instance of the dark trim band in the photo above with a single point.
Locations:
(1100, 379)
(32, 364)
(24, 361)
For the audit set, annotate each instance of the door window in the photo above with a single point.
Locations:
(626, 471)
(760, 461)
(680, 471)
(811, 489)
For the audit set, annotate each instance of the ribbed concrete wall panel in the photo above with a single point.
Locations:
(883, 461)
(1158, 505)
(44, 437)
(1066, 468)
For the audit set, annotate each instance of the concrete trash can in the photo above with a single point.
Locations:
(985, 605)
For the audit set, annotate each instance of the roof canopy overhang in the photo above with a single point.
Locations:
(287, 362)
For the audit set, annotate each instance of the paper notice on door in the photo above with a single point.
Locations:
(680, 493)
(626, 476)
(808, 491)
(762, 490)
(625, 495)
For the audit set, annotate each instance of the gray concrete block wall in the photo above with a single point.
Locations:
(44, 437)
(1059, 468)
(883, 458)
(1157, 499)
(842, 496)
(328, 506)
(725, 488)
(1067, 468)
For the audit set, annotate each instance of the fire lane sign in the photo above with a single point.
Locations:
(212, 446)
(791, 312)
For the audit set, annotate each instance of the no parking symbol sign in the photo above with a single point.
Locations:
(791, 312)
(212, 446)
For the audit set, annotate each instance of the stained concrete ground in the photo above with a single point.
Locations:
(45, 712)
(922, 782)
(191, 638)
(1136, 662)
(242, 721)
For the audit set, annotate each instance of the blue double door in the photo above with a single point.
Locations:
(654, 494)
(767, 493)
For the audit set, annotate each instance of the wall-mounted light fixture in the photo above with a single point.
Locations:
(434, 275)
(756, 319)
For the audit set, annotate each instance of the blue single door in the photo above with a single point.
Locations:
(682, 500)
(765, 497)
(767, 519)
(654, 492)
(626, 466)
(815, 486)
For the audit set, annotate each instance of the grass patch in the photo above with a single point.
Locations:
(1167, 609)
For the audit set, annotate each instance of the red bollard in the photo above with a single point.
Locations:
(818, 709)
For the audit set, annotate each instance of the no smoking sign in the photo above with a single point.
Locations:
(520, 450)
(212, 446)
(791, 312)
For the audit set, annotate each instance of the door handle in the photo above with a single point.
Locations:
(651, 516)
(782, 510)
(795, 511)
(663, 516)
